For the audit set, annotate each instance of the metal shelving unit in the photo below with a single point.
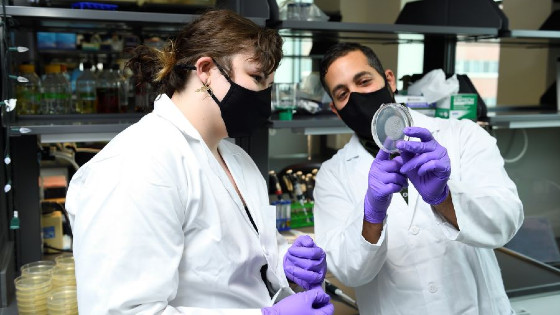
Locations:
(389, 28)
(53, 129)
(313, 125)
(73, 128)
(63, 14)
(524, 119)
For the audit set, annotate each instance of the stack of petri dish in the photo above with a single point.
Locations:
(32, 292)
(48, 287)
(63, 301)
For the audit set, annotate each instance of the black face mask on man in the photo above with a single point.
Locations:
(359, 111)
(243, 110)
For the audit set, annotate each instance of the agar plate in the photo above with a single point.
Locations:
(388, 124)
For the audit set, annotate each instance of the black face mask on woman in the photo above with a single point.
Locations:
(243, 110)
(359, 111)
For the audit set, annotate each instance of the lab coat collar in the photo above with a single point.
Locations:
(166, 109)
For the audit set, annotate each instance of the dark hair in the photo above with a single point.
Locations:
(219, 34)
(342, 49)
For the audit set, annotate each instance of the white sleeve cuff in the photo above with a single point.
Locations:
(447, 228)
(373, 247)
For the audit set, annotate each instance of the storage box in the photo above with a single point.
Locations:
(417, 103)
(66, 41)
(459, 106)
(51, 224)
(46, 40)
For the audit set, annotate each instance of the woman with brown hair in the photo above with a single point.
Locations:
(169, 218)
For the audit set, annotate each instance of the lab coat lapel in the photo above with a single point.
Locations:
(234, 165)
(356, 159)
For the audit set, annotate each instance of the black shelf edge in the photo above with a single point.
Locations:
(67, 127)
(523, 117)
(97, 15)
(388, 28)
(535, 34)
(105, 16)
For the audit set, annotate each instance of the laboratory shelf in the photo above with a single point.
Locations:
(387, 28)
(535, 34)
(96, 15)
(322, 124)
(102, 19)
(517, 119)
(72, 128)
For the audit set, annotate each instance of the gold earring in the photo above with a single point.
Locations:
(203, 88)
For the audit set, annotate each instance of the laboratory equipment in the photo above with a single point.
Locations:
(275, 183)
(336, 291)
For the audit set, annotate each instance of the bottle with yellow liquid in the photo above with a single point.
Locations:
(86, 96)
(28, 93)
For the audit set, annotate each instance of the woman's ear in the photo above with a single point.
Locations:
(391, 79)
(203, 66)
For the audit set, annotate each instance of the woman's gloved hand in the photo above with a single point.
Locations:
(384, 179)
(305, 263)
(426, 164)
(312, 302)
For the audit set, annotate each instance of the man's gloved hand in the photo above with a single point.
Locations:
(305, 263)
(426, 164)
(312, 302)
(384, 179)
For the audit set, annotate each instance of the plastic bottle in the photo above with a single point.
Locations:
(123, 88)
(73, 77)
(54, 91)
(107, 92)
(29, 93)
(67, 95)
(86, 95)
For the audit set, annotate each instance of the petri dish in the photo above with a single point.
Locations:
(40, 263)
(388, 124)
(65, 260)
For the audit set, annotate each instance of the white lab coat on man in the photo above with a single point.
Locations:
(159, 228)
(422, 264)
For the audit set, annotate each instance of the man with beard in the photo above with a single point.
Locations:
(429, 253)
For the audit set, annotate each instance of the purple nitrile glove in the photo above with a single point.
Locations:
(384, 179)
(312, 302)
(305, 263)
(426, 164)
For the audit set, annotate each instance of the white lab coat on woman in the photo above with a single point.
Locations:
(422, 264)
(159, 228)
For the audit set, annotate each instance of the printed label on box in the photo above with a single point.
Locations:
(48, 232)
(459, 106)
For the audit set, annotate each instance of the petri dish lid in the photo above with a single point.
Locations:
(388, 124)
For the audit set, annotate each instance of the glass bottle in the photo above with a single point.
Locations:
(86, 95)
(28, 94)
(107, 92)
